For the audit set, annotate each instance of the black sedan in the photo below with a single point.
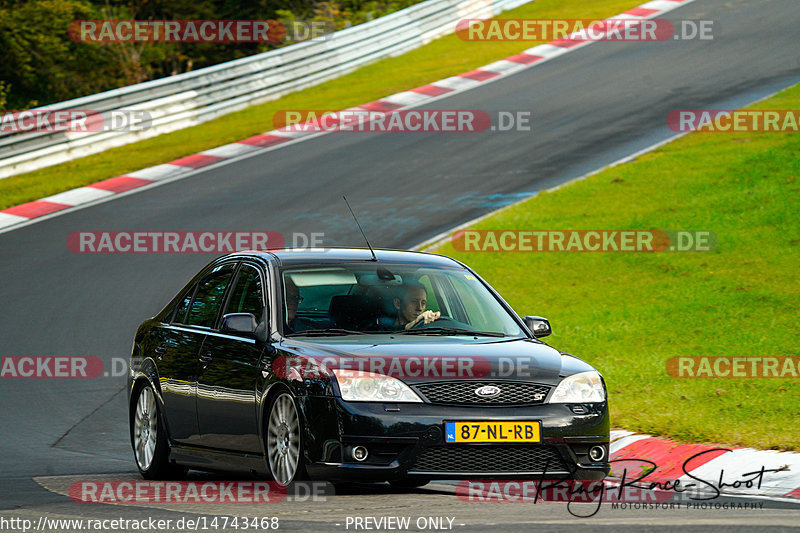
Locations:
(347, 365)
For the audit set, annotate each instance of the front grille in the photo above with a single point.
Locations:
(463, 393)
(489, 459)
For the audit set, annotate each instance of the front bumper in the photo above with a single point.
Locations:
(407, 440)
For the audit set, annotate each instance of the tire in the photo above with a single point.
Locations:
(149, 439)
(409, 483)
(284, 444)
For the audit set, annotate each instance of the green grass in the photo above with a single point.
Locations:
(628, 313)
(444, 57)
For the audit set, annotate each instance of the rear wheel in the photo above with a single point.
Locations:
(149, 440)
(284, 445)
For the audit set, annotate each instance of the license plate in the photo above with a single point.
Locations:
(528, 431)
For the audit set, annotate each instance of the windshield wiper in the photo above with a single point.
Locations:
(325, 332)
(448, 331)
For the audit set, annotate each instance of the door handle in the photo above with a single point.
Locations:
(161, 349)
(206, 358)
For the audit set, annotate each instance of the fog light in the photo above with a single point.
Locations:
(597, 453)
(360, 453)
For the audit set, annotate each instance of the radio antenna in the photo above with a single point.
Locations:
(360, 228)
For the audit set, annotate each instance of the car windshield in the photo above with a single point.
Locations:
(383, 298)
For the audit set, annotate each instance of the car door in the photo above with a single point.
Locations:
(177, 347)
(229, 370)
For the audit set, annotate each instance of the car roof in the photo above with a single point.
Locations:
(289, 256)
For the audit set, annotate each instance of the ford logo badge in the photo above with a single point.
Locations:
(487, 391)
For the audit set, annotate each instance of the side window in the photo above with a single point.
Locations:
(183, 306)
(208, 297)
(247, 296)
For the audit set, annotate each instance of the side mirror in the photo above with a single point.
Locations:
(239, 323)
(539, 326)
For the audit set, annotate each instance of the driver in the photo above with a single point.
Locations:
(411, 305)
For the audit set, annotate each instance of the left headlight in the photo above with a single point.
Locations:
(368, 387)
(584, 387)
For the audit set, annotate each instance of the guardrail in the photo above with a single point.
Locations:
(192, 98)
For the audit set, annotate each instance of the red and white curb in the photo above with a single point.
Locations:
(709, 463)
(25, 214)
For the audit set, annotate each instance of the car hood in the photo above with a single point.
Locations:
(420, 359)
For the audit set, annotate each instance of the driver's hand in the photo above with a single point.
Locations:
(427, 316)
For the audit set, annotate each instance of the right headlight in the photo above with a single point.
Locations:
(359, 386)
(584, 387)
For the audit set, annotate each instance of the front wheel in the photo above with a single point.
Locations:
(149, 440)
(284, 445)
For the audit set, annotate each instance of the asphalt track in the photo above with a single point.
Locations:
(590, 107)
